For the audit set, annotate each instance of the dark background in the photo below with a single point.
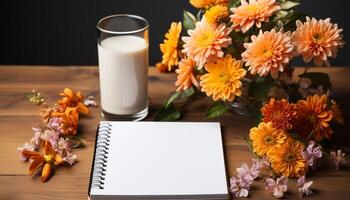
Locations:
(62, 32)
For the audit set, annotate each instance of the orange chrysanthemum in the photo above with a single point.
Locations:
(314, 117)
(216, 13)
(223, 79)
(280, 112)
(43, 161)
(207, 3)
(317, 40)
(265, 136)
(254, 12)
(286, 159)
(269, 52)
(71, 99)
(185, 77)
(169, 48)
(205, 42)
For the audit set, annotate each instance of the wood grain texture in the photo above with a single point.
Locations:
(17, 116)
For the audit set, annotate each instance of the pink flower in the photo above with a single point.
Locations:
(64, 149)
(245, 173)
(55, 123)
(27, 146)
(32, 145)
(338, 158)
(312, 153)
(36, 140)
(51, 135)
(240, 184)
(304, 187)
(278, 187)
(240, 187)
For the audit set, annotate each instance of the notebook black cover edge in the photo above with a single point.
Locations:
(93, 160)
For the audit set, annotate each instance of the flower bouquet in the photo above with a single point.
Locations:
(239, 52)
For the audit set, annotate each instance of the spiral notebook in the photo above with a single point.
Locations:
(158, 160)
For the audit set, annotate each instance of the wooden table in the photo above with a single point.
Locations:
(17, 116)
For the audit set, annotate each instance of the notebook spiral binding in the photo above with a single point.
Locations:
(101, 155)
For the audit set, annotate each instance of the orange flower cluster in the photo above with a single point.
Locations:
(309, 118)
(61, 124)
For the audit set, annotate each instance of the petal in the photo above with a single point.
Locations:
(83, 109)
(37, 163)
(29, 154)
(48, 148)
(58, 160)
(46, 173)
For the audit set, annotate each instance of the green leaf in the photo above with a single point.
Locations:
(317, 79)
(286, 5)
(234, 3)
(260, 87)
(172, 98)
(189, 20)
(187, 93)
(216, 109)
(170, 114)
(76, 142)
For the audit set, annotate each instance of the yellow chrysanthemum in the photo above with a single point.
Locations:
(265, 136)
(216, 14)
(223, 79)
(207, 3)
(268, 53)
(314, 117)
(317, 40)
(169, 48)
(254, 12)
(204, 44)
(185, 77)
(287, 159)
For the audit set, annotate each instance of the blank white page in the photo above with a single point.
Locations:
(165, 159)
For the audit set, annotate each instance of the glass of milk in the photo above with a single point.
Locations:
(123, 67)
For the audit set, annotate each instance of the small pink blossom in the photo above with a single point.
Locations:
(278, 187)
(55, 123)
(36, 140)
(32, 145)
(51, 135)
(304, 187)
(64, 149)
(241, 183)
(338, 158)
(312, 153)
(240, 187)
(27, 146)
(245, 172)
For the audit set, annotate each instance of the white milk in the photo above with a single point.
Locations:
(123, 66)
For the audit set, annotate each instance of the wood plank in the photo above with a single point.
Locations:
(17, 116)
